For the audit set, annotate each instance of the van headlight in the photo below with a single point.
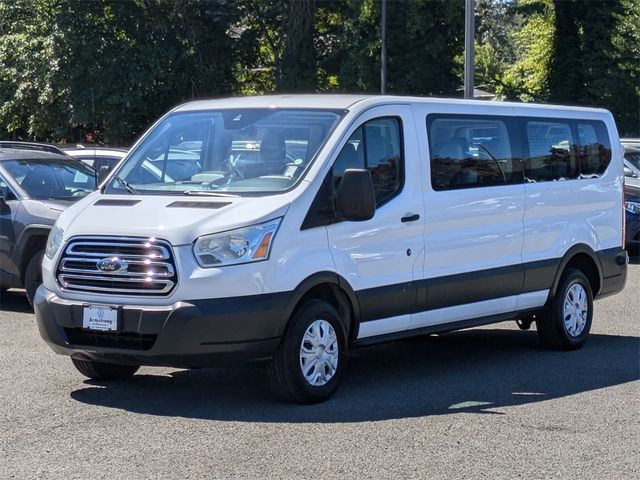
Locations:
(53, 242)
(633, 207)
(243, 245)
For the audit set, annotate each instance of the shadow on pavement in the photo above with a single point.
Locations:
(634, 257)
(14, 301)
(473, 371)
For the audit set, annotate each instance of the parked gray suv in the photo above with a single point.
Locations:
(35, 186)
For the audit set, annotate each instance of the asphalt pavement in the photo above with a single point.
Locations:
(481, 403)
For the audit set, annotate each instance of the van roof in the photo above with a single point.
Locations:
(344, 102)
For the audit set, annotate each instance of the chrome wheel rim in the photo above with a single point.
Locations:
(575, 310)
(319, 353)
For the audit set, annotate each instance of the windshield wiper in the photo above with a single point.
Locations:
(210, 194)
(125, 184)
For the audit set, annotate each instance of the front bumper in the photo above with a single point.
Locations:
(189, 334)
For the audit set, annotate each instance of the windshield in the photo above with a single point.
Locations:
(247, 151)
(55, 178)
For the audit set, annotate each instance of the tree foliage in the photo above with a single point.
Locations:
(527, 78)
(75, 65)
(110, 67)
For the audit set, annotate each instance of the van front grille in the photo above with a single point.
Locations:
(119, 265)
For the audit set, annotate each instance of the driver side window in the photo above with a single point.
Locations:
(376, 146)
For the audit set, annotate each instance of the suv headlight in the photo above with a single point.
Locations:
(633, 207)
(53, 242)
(243, 245)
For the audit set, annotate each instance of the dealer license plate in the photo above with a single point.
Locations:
(100, 317)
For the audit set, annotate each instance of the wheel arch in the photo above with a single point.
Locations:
(583, 258)
(31, 240)
(333, 288)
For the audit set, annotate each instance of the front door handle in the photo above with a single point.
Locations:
(410, 218)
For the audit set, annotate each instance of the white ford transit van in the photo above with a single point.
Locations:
(291, 229)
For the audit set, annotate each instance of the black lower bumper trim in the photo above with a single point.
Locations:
(614, 270)
(197, 333)
(125, 340)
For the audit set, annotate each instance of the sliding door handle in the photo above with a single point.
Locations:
(410, 218)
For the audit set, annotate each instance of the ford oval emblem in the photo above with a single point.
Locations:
(112, 265)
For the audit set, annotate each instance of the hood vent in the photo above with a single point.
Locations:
(214, 205)
(116, 203)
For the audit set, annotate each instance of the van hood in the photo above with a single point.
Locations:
(177, 219)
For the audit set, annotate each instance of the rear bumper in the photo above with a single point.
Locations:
(613, 262)
(198, 333)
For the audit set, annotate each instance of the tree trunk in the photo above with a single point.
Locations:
(566, 75)
(297, 71)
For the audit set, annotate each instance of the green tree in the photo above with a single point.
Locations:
(527, 79)
(625, 100)
(70, 67)
(423, 39)
(128, 62)
(566, 75)
(497, 22)
(298, 71)
(258, 30)
(33, 90)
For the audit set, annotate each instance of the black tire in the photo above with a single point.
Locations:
(552, 329)
(33, 275)
(104, 371)
(285, 371)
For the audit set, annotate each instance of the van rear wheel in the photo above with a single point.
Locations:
(104, 371)
(567, 324)
(311, 358)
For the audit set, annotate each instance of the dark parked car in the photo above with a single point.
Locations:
(632, 166)
(44, 147)
(35, 186)
(632, 216)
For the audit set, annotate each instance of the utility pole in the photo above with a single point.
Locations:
(469, 31)
(383, 49)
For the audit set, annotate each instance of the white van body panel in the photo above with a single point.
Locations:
(374, 253)
(163, 216)
(561, 214)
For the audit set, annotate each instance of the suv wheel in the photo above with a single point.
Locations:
(311, 358)
(33, 275)
(566, 325)
(104, 371)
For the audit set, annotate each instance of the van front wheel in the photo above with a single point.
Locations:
(311, 358)
(566, 325)
(104, 371)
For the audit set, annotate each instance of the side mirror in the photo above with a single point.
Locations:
(630, 173)
(356, 200)
(103, 173)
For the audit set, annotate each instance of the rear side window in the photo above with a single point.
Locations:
(470, 151)
(376, 146)
(552, 151)
(595, 148)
